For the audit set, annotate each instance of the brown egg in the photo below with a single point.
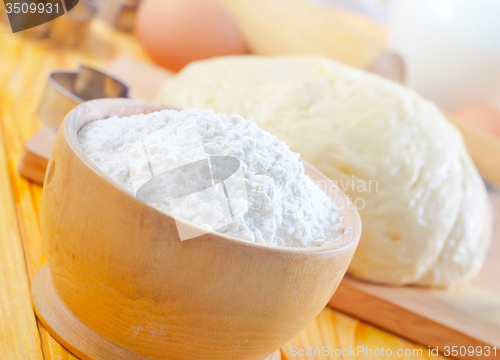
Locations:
(176, 32)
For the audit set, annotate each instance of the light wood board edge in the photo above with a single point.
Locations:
(33, 167)
(354, 301)
(36, 154)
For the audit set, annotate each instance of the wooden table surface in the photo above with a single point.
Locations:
(24, 66)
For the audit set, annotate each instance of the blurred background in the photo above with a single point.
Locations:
(446, 50)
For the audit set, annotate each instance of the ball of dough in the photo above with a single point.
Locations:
(425, 211)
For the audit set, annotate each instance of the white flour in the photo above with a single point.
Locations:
(285, 207)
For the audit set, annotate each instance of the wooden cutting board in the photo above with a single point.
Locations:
(469, 315)
(464, 316)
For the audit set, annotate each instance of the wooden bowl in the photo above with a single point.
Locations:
(119, 283)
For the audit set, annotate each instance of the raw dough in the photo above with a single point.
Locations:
(426, 216)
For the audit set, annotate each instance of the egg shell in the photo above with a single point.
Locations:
(176, 32)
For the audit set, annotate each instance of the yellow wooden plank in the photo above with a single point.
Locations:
(345, 328)
(17, 129)
(18, 328)
(369, 337)
(333, 335)
(329, 332)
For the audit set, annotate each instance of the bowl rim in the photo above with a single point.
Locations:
(89, 109)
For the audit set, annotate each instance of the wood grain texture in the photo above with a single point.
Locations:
(82, 337)
(334, 335)
(235, 299)
(19, 337)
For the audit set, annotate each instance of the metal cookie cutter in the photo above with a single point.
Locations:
(119, 14)
(66, 90)
(68, 29)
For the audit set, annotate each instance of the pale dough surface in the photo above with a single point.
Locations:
(426, 216)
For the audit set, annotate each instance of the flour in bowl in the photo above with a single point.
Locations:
(285, 208)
